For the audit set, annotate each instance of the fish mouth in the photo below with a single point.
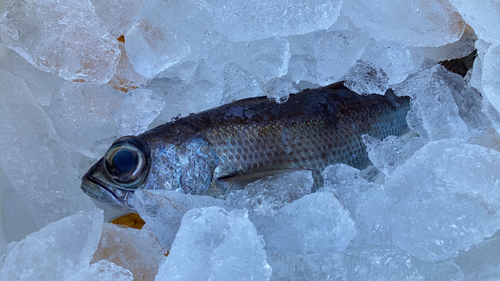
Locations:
(100, 191)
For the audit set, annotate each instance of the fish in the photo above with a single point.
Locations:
(212, 152)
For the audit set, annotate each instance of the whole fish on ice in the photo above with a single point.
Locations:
(203, 153)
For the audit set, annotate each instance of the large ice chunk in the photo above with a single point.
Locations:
(366, 202)
(137, 110)
(482, 16)
(314, 223)
(213, 244)
(271, 193)
(336, 51)
(393, 151)
(414, 24)
(436, 110)
(151, 48)
(65, 38)
(103, 270)
(163, 210)
(32, 158)
(446, 199)
(137, 250)
(455, 50)
(117, 15)
(81, 115)
(365, 78)
(393, 58)
(56, 252)
(259, 19)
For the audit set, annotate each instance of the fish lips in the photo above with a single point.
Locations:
(95, 185)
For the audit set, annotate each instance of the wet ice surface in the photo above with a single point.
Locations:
(427, 209)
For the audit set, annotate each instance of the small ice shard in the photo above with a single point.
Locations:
(446, 199)
(136, 250)
(314, 223)
(280, 88)
(56, 252)
(163, 210)
(393, 151)
(40, 171)
(239, 84)
(394, 58)
(482, 16)
(292, 266)
(477, 68)
(242, 21)
(65, 38)
(433, 104)
(152, 49)
(271, 193)
(117, 15)
(136, 111)
(434, 24)
(81, 115)
(336, 52)
(366, 202)
(103, 270)
(365, 78)
(213, 244)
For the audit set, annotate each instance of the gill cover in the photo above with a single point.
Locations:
(126, 162)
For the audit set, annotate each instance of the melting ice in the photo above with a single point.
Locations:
(76, 75)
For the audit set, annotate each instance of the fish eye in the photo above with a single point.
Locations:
(126, 162)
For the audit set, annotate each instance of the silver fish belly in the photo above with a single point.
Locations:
(255, 136)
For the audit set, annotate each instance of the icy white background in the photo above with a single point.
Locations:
(427, 210)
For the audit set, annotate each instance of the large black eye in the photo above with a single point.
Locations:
(126, 162)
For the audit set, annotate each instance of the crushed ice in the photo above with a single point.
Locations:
(76, 75)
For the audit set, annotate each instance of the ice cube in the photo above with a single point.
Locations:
(125, 77)
(163, 210)
(271, 193)
(41, 172)
(490, 81)
(481, 15)
(213, 244)
(414, 24)
(139, 108)
(65, 38)
(455, 50)
(280, 88)
(81, 115)
(336, 51)
(117, 15)
(103, 270)
(151, 48)
(56, 252)
(393, 151)
(315, 223)
(434, 107)
(366, 202)
(242, 21)
(239, 84)
(365, 78)
(292, 266)
(394, 58)
(303, 68)
(136, 250)
(446, 199)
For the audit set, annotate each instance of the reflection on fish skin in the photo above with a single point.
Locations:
(201, 153)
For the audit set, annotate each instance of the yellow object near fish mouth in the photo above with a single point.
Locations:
(131, 220)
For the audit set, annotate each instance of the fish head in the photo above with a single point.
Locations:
(123, 169)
